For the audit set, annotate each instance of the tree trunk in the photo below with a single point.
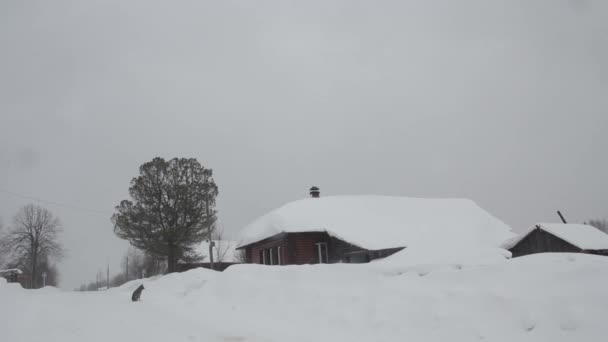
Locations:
(210, 253)
(171, 259)
(34, 269)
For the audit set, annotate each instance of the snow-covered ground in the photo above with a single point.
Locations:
(548, 297)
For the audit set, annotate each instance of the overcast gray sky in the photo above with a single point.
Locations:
(503, 102)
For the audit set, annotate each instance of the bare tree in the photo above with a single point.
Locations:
(32, 239)
(599, 224)
(240, 256)
(142, 264)
(222, 247)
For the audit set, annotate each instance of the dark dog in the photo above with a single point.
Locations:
(137, 293)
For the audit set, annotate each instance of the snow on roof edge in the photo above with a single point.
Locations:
(10, 270)
(589, 237)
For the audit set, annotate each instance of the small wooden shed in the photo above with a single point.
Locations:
(558, 237)
(13, 275)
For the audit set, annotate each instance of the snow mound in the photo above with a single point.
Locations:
(378, 222)
(543, 297)
(170, 285)
(48, 289)
(422, 260)
(532, 298)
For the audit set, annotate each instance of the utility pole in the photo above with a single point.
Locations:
(127, 273)
(108, 278)
(211, 244)
(210, 230)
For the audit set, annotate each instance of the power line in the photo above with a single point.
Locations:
(65, 205)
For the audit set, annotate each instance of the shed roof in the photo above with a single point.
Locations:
(379, 222)
(11, 270)
(580, 235)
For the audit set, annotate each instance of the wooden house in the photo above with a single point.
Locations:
(558, 237)
(358, 229)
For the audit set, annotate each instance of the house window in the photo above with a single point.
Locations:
(274, 253)
(271, 256)
(358, 258)
(322, 253)
(265, 257)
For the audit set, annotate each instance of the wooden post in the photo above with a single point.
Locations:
(211, 253)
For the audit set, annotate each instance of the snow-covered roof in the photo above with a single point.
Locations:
(225, 249)
(11, 270)
(378, 222)
(580, 235)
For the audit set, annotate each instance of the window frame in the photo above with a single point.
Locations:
(270, 254)
(319, 245)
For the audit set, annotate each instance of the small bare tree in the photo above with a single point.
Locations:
(240, 256)
(222, 247)
(599, 224)
(142, 264)
(32, 239)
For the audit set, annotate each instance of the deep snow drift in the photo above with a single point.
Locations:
(549, 297)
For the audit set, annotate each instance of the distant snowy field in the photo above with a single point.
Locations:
(550, 297)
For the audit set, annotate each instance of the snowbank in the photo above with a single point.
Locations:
(543, 297)
(423, 260)
(171, 285)
(377, 222)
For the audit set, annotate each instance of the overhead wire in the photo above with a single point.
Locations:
(59, 204)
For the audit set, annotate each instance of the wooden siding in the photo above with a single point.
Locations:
(301, 248)
(603, 252)
(304, 248)
(340, 249)
(252, 251)
(539, 241)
